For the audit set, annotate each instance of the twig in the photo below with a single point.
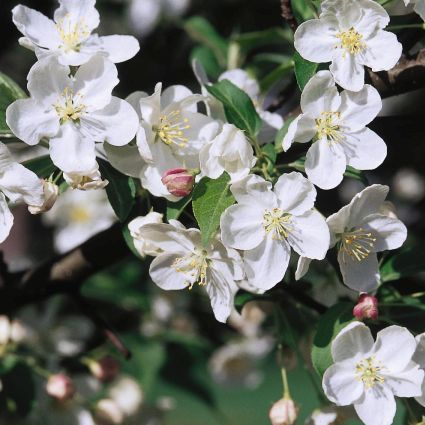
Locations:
(288, 14)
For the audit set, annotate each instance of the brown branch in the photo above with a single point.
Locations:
(288, 14)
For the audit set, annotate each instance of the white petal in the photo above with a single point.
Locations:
(325, 164)
(125, 159)
(407, 383)
(241, 79)
(364, 150)
(315, 41)
(175, 94)
(354, 341)
(77, 11)
(340, 384)
(361, 276)
(242, 227)
(303, 266)
(295, 193)
(165, 276)
(359, 109)
(271, 123)
(71, 152)
(395, 360)
(309, 235)
(390, 233)
(116, 124)
(348, 73)
(119, 48)
(6, 219)
(301, 130)
(420, 9)
(266, 264)
(36, 27)
(376, 407)
(29, 122)
(254, 190)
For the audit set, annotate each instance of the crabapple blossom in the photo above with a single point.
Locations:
(73, 112)
(419, 358)
(184, 262)
(51, 193)
(402, 7)
(179, 181)
(17, 183)
(230, 151)
(266, 224)
(330, 415)
(90, 180)
(369, 374)
(68, 37)
(284, 412)
(170, 135)
(60, 387)
(336, 122)
(349, 33)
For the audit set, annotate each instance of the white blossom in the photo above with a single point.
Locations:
(170, 135)
(73, 112)
(419, 358)
(230, 151)
(69, 35)
(369, 374)
(336, 123)
(184, 262)
(360, 230)
(403, 7)
(267, 223)
(90, 180)
(349, 33)
(18, 184)
(50, 195)
(330, 415)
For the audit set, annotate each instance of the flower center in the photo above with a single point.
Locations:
(369, 372)
(327, 126)
(194, 266)
(357, 244)
(72, 34)
(351, 41)
(171, 129)
(277, 223)
(68, 107)
(79, 215)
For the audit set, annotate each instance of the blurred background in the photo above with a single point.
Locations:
(186, 368)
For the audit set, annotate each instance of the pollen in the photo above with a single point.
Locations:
(69, 106)
(171, 129)
(277, 223)
(328, 126)
(194, 266)
(369, 372)
(357, 244)
(72, 34)
(351, 41)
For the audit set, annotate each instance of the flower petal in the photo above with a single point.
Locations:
(175, 94)
(301, 130)
(77, 11)
(302, 267)
(407, 383)
(6, 218)
(125, 159)
(348, 73)
(376, 407)
(119, 48)
(251, 189)
(165, 275)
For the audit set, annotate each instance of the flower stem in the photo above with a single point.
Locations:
(405, 26)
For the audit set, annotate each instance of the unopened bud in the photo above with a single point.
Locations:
(108, 413)
(60, 387)
(105, 369)
(51, 193)
(179, 181)
(366, 307)
(283, 412)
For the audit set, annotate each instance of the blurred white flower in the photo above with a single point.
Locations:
(409, 185)
(417, 5)
(127, 395)
(419, 358)
(330, 415)
(78, 215)
(284, 412)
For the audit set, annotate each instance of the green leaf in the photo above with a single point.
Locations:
(304, 70)
(129, 240)
(270, 152)
(121, 190)
(174, 209)
(330, 324)
(42, 166)
(405, 262)
(238, 106)
(276, 75)
(200, 30)
(244, 297)
(9, 92)
(210, 199)
(252, 40)
(205, 56)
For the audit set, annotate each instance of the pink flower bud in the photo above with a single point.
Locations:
(60, 387)
(366, 307)
(283, 412)
(179, 181)
(105, 369)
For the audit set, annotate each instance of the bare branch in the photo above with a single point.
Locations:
(288, 14)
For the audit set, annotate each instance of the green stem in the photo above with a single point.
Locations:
(405, 26)
(286, 392)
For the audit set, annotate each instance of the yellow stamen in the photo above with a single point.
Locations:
(194, 266)
(72, 35)
(171, 129)
(351, 41)
(277, 223)
(69, 107)
(357, 244)
(327, 126)
(369, 372)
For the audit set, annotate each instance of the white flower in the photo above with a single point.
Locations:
(419, 358)
(185, 262)
(230, 151)
(78, 215)
(337, 124)
(91, 180)
(127, 394)
(73, 112)
(69, 36)
(368, 374)
(17, 183)
(349, 33)
(330, 415)
(135, 226)
(360, 230)
(418, 7)
(50, 194)
(171, 134)
(265, 224)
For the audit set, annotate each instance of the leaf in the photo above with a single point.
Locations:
(42, 166)
(244, 297)
(270, 152)
(304, 70)
(252, 40)
(174, 209)
(129, 240)
(9, 92)
(238, 106)
(405, 262)
(330, 324)
(200, 30)
(205, 56)
(121, 190)
(210, 199)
